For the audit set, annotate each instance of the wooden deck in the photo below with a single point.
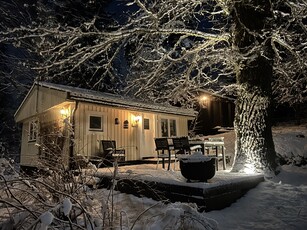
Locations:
(170, 186)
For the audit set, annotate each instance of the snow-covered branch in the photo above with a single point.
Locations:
(154, 48)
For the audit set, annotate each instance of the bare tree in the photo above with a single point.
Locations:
(168, 50)
(290, 81)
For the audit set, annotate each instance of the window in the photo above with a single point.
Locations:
(172, 128)
(146, 123)
(168, 127)
(95, 123)
(33, 130)
(164, 127)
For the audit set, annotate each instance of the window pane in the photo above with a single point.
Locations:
(33, 130)
(146, 123)
(95, 122)
(164, 127)
(173, 129)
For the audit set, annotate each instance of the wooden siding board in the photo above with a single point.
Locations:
(28, 108)
(80, 123)
(39, 100)
(49, 120)
(29, 151)
(76, 129)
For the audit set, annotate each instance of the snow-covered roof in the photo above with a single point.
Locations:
(86, 95)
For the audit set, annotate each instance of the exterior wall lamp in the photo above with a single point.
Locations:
(204, 101)
(64, 112)
(136, 121)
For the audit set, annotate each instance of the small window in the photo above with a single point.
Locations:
(164, 127)
(146, 123)
(172, 128)
(33, 130)
(95, 123)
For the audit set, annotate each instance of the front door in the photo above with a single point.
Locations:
(148, 131)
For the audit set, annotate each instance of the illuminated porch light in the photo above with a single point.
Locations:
(204, 101)
(136, 120)
(64, 112)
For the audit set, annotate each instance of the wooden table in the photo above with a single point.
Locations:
(206, 145)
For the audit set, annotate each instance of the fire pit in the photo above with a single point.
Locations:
(197, 167)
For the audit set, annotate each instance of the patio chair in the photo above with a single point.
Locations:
(162, 145)
(187, 147)
(182, 146)
(178, 146)
(110, 152)
(179, 149)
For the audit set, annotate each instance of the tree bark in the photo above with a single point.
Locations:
(255, 150)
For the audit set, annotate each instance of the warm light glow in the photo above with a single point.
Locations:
(64, 112)
(136, 120)
(204, 100)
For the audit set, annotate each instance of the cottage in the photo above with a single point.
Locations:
(60, 122)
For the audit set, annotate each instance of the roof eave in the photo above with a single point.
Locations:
(183, 112)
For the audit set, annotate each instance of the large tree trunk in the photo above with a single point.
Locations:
(254, 143)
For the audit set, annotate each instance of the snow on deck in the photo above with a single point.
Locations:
(148, 172)
(145, 180)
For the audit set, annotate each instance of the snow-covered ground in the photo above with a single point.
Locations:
(278, 203)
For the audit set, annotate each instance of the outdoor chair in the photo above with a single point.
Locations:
(187, 147)
(163, 151)
(179, 149)
(111, 153)
(178, 146)
(182, 146)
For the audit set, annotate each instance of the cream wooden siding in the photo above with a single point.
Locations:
(182, 126)
(137, 142)
(52, 118)
(146, 137)
(39, 100)
(87, 142)
(29, 150)
(60, 128)
(181, 122)
(46, 103)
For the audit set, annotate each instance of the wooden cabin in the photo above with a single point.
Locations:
(59, 122)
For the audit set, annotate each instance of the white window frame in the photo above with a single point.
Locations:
(147, 127)
(103, 122)
(33, 130)
(168, 119)
(169, 122)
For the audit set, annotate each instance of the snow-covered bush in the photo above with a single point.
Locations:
(58, 199)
